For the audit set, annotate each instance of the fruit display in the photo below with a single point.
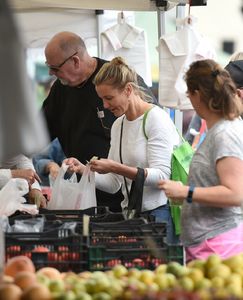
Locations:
(211, 279)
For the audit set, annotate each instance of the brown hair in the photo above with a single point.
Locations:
(117, 74)
(215, 86)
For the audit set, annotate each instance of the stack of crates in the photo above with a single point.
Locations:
(110, 240)
(133, 243)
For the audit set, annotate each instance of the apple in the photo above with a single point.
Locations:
(68, 295)
(161, 269)
(102, 296)
(119, 271)
(83, 296)
(56, 287)
(147, 276)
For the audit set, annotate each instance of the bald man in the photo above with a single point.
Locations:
(73, 110)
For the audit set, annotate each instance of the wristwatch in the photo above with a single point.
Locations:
(190, 194)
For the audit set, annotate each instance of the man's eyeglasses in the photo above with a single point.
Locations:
(57, 67)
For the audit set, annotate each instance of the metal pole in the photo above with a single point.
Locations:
(99, 14)
(161, 31)
(180, 13)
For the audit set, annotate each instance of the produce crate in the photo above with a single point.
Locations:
(57, 248)
(70, 215)
(132, 243)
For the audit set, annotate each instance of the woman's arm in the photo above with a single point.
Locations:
(228, 193)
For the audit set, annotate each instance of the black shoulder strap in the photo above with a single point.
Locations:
(135, 196)
(136, 193)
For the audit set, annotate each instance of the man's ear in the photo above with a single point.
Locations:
(76, 61)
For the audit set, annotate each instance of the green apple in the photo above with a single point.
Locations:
(116, 288)
(102, 296)
(186, 283)
(177, 269)
(204, 284)
(217, 282)
(162, 281)
(219, 270)
(147, 276)
(161, 269)
(133, 272)
(68, 295)
(56, 286)
(212, 261)
(195, 274)
(83, 296)
(120, 271)
(234, 262)
(198, 264)
(171, 279)
(41, 278)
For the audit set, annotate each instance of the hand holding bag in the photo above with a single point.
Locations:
(70, 194)
(180, 163)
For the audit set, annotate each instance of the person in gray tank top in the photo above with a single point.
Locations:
(212, 220)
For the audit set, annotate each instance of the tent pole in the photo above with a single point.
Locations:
(99, 14)
(180, 13)
(161, 31)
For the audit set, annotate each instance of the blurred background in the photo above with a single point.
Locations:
(221, 22)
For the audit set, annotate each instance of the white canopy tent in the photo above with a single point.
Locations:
(39, 20)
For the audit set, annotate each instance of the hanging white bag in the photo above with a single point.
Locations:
(11, 198)
(70, 194)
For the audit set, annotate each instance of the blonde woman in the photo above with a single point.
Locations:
(117, 86)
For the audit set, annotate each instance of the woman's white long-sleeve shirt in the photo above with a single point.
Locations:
(153, 153)
(16, 162)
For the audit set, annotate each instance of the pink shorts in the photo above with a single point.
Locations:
(225, 245)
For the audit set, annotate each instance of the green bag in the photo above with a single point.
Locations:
(180, 163)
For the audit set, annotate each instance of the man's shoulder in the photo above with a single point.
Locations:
(101, 62)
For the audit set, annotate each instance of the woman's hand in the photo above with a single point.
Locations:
(28, 174)
(52, 169)
(74, 165)
(102, 165)
(174, 190)
(36, 197)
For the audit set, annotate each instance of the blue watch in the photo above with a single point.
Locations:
(190, 194)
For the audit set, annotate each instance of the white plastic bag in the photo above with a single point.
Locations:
(11, 197)
(70, 194)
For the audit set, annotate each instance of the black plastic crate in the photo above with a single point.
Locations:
(102, 258)
(133, 243)
(58, 248)
(129, 233)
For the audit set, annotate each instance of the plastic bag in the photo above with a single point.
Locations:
(180, 163)
(28, 225)
(70, 194)
(11, 197)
